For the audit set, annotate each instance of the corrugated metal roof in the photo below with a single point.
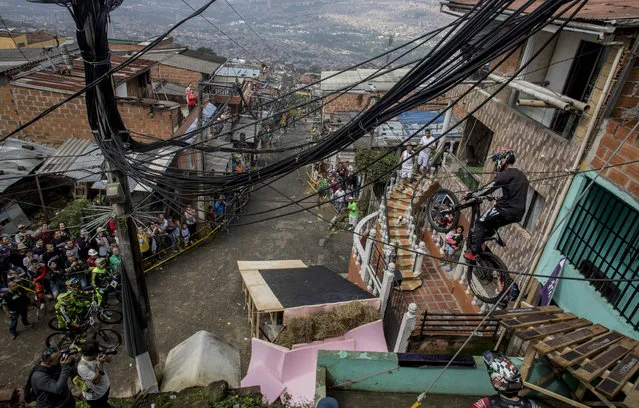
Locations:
(13, 59)
(74, 81)
(381, 83)
(78, 159)
(238, 72)
(177, 60)
(19, 158)
(613, 12)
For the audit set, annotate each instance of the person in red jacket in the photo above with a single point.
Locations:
(191, 100)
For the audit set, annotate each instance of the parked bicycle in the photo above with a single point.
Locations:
(443, 211)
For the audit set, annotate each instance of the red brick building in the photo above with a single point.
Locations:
(30, 92)
(579, 207)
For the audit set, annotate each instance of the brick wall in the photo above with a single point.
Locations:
(19, 104)
(175, 75)
(538, 150)
(612, 134)
(350, 102)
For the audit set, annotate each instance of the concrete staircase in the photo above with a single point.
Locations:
(401, 232)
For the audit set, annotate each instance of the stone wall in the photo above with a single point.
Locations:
(19, 104)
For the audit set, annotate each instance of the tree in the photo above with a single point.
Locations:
(71, 215)
(381, 169)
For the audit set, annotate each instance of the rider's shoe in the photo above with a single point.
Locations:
(469, 256)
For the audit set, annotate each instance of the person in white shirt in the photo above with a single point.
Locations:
(406, 171)
(339, 201)
(426, 145)
(91, 370)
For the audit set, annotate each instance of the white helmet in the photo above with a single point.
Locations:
(92, 252)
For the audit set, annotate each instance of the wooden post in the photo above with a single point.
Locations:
(44, 208)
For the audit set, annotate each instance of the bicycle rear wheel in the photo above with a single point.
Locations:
(483, 277)
(110, 316)
(442, 200)
(108, 339)
(60, 340)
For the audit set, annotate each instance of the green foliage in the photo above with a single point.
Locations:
(71, 215)
(365, 155)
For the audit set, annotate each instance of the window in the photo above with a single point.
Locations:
(534, 205)
(569, 65)
(601, 240)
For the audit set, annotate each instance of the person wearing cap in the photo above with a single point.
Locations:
(48, 379)
(16, 304)
(353, 213)
(93, 255)
(327, 402)
(19, 235)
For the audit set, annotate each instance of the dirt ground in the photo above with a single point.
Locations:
(201, 290)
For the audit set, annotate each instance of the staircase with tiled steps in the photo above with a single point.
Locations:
(400, 230)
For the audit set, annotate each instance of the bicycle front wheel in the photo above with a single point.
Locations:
(108, 339)
(53, 324)
(439, 210)
(60, 340)
(484, 276)
(110, 316)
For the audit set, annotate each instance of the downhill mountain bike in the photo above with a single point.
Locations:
(443, 210)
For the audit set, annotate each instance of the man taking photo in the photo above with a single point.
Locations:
(91, 370)
(49, 380)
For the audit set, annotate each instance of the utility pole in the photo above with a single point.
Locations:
(200, 140)
(91, 18)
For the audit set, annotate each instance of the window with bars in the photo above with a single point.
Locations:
(601, 240)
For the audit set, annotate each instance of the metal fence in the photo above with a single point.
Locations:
(395, 309)
(601, 239)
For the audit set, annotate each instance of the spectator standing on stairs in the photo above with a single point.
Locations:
(406, 171)
(427, 144)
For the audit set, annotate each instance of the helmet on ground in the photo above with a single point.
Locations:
(502, 158)
(100, 262)
(92, 252)
(503, 374)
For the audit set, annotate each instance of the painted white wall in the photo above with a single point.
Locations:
(120, 90)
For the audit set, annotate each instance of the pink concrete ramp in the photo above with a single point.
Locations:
(277, 369)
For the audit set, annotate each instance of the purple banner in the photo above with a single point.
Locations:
(548, 290)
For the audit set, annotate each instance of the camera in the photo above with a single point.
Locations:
(71, 352)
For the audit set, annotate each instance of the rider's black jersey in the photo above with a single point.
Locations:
(497, 401)
(514, 187)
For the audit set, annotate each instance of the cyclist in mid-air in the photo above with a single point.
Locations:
(510, 207)
(507, 381)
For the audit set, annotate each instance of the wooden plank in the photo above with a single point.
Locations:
(632, 395)
(526, 364)
(591, 369)
(554, 395)
(540, 332)
(611, 384)
(535, 320)
(508, 313)
(262, 297)
(564, 340)
(581, 391)
(257, 265)
(575, 355)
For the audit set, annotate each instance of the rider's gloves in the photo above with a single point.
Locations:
(467, 196)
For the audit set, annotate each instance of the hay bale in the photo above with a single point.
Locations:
(320, 326)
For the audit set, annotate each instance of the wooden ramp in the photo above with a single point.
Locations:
(605, 363)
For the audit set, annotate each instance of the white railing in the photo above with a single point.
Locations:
(362, 254)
